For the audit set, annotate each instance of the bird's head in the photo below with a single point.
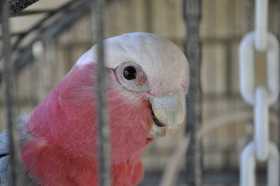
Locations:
(148, 78)
(148, 81)
(148, 68)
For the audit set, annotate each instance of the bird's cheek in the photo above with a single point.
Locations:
(150, 124)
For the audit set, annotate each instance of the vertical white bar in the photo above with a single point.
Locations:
(261, 124)
(248, 166)
(247, 68)
(273, 68)
(261, 19)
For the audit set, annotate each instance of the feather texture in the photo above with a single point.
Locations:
(63, 130)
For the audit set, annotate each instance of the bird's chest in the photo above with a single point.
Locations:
(51, 166)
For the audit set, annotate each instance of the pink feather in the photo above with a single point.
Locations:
(62, 150)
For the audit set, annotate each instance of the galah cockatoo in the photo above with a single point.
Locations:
(147, 84)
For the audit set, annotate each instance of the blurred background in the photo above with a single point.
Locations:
(50, 35)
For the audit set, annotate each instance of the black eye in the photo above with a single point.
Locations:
(129, 73)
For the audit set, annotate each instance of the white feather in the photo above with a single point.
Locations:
(163, 62)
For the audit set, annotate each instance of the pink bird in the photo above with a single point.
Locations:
(147, 84)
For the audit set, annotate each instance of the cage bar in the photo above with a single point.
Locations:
(16, 176)
(278, 105)
(192, 16)
(33, 12)
(17, 6)
(103, 141)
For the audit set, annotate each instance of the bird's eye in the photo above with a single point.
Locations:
(132, 77)
(129, 73)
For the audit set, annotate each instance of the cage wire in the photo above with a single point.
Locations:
(103, 144)
(278, 106)
(218, 123)
(8, 76)
(192, 15)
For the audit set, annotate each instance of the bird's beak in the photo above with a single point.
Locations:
(168, 113)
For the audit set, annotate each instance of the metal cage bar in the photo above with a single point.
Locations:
(16, 177)
(103, 141)
(17, 6)
(278, 105)
(192, 15)
(250, 4)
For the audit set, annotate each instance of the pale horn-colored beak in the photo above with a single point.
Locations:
(168, 113)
